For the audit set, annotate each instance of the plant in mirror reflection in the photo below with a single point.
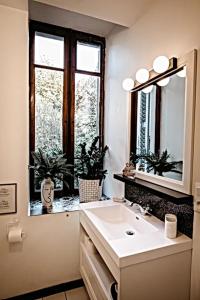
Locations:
(135, 158)
(156, 162)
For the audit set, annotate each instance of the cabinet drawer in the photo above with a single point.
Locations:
(97, 276)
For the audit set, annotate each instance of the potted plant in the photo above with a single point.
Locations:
(89, 170)
(49, 168)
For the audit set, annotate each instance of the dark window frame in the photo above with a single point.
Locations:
(71, 37)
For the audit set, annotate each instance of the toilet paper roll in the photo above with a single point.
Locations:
(15, 235)
(170, 226)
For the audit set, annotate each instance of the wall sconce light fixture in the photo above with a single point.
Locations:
(142, 75)
(161, 64)
(162, 67)
(128, 84)
(163, 82)
(148, 89)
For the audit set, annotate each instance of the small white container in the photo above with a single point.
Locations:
(170, 226)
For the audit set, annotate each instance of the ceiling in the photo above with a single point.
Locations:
(122, 12)
(68, 19)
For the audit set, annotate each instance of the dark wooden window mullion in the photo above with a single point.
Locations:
(72, 89)
(101, 102)
(31, 105)
(88, 72)
(66, 95)
(48, 67)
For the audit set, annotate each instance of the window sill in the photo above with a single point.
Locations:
(60, 205)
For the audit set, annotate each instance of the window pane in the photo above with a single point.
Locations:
(87, 93)
(48, 110)
(49, 50)
(88, 57)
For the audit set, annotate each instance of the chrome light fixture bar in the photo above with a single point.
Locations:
(154, 76)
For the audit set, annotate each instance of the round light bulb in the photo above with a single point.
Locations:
(128, 84)
(182, 73)
(148, 89)
(161, 64)
(142, 75)
(163, 82)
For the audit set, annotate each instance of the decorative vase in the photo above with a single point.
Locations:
(89, 190)
(47, 192)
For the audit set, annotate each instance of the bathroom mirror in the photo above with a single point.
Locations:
(162, 127)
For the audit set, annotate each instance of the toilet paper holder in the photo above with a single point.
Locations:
(14, 224)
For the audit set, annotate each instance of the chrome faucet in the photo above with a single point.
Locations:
(144, 210)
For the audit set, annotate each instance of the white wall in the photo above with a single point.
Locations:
(19, 4)
(50, 253)
(169, 28)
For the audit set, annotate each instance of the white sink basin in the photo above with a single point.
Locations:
(118, 222)
(111, 222)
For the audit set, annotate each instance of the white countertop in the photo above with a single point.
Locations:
(138, 248)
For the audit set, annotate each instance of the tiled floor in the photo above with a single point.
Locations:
(75, 294)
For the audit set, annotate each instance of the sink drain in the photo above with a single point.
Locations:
(130, 232)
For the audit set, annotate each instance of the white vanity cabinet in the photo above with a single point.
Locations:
(96, 275)
(160, 273)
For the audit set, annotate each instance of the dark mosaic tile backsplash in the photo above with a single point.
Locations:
(160, 207)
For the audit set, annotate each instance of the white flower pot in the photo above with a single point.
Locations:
(47, 192)
(89, 190)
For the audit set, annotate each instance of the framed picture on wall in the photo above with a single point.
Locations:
(8, 198)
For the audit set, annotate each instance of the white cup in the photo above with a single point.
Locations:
(170, 226)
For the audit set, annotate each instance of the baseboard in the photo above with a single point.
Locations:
(49, 290)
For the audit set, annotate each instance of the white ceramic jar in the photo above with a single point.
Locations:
(170, 226)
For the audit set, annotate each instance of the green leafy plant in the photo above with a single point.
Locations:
(159, 163)
(134, 158)
(89, 164)
(52, 166)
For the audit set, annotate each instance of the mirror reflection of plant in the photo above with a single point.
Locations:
(89, 163)
(52, 166)
(135, 158)
(159, 163)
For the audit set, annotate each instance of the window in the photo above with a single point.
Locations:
(66, 91)
(87, 93)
